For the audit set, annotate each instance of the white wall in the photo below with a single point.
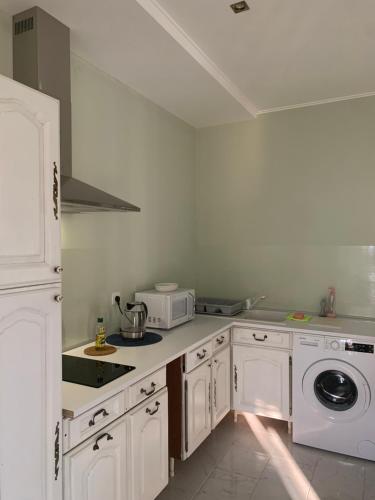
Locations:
(285, 207)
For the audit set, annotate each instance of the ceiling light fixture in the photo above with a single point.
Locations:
(239, 7)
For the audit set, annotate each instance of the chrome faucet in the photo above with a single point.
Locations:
(253, 301)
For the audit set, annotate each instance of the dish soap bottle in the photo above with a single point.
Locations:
(100, 334)
(331, 313)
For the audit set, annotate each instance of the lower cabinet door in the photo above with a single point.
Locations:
(220, 385)
(261, 381)
(148, 460)
(197, 407)
(30, 394)
(96, 469)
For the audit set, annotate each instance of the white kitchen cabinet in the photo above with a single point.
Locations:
(148, 435)
(261, 381)
(30, 394)
(29, 186)
(197, 407)
(220, 385)
(97, 469)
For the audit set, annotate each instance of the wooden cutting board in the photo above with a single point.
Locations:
(102, 351)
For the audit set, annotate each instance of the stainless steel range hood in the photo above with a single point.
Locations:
(41, 60)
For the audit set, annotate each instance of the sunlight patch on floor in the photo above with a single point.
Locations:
(293, 478)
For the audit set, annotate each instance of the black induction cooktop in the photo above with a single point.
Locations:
(91, 372)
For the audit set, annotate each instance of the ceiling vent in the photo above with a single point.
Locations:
(239, 7)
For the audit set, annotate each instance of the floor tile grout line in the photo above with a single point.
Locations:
(202, 485)
(364, 483)
(259, 478)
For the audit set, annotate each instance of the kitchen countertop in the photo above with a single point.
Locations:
(176, 342)
(342, 326)
(79, 398)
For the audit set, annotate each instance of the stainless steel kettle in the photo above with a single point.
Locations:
(136, 314)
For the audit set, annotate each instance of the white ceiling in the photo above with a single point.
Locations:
(208, 66)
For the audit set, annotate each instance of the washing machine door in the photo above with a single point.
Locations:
(336, 389)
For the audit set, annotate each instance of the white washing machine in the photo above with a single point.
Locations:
(333, 402)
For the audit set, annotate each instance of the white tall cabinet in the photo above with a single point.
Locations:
(29, 185)
(30, 316)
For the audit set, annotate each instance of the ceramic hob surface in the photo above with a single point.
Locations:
(91, 372)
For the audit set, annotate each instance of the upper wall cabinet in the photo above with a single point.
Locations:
(29, 186)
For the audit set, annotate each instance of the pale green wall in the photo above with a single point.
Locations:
(285, 207)
(133, 149)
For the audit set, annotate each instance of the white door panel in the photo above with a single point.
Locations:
(261, 381)
(148, 431)
(29, 182)
(30, 399)
(97, 469)
(198, 406)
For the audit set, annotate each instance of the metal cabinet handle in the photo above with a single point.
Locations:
(209, 397)
(202, 354)
(151, 391)
(215, 393)
(57, 450)
(258, 339)
(155, 410)
(220, 340)
(58, 269)
(59, 298)
(96, 445)
(103, 411)
(235, 378)
(55, 191)
(186, 401)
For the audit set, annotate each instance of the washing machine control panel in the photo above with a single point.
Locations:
(357, 347)
(334, 344)
(348, 345)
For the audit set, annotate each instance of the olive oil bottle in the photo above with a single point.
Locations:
(100, 334)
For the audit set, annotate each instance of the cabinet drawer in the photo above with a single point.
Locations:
(146, 387)
(220, 340)
(198, 356)
(78, 429)
(262, 337)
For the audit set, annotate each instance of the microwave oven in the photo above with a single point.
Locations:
(167, 309)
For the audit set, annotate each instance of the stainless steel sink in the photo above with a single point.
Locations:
(267, 316)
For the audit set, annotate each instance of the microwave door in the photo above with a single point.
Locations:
(191, 305)
(179, 308)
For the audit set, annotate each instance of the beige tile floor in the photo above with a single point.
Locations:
(256, 459)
